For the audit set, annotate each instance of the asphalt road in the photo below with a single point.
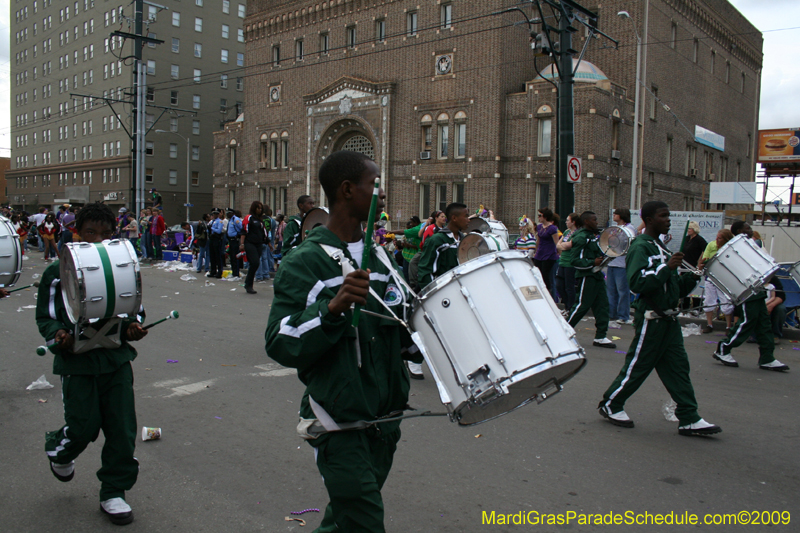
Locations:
(229, 459)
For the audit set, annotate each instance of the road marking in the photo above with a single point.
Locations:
(191, 388)
(169, 383)
(273, 370)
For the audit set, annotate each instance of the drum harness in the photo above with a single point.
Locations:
(657, 312)
(310, 429)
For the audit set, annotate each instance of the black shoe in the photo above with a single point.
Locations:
(620, 419)
(68, 471)
(604, 343)
(416, 376)
(250, 290)
(701, 428)
(775, 365)
(118, 511)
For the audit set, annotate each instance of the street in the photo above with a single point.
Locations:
(229, 458)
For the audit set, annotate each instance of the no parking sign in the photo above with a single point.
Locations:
(574, 169)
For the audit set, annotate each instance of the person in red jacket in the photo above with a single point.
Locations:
(157, 229)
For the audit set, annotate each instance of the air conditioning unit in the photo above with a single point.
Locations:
(692, 172)
(712, 177)
(262, 164)
(424, 155)
(616, 154)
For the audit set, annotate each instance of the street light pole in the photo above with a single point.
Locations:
(635, 155)
(188, 180)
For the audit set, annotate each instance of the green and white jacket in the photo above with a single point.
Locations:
(350, 383)
(51, 316)
(584, 251)
(291, 234)
(439, 255)
(649, 276)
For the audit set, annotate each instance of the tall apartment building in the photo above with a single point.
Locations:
(70, 145)
(446, 96)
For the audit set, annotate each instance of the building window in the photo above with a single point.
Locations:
(240, 35)
(174, 72)
(444, 141)
(324, 42)
(542, 195)
(673, 39)
(196, 124)
(173, 177)
(176, 19)
(653, 102)
(173, 124)
(446, 15)
(195, 178)
(727, 71)
(223, 105)
(458, 193)
(668, 165)
(176, 45)
(461, 139)
(151, 94)
(223, 81)
(427, 138)
(351, 36)
(274, 154)
(195, 153)
(151, 67)
(226, 6)
(380, 30)
(149, 148)
(173, 97)
(744, 81)
(239, 59)
(198, 50)
(148, 175)
(223, 55)
(276, 55)
(695, 50)
(196, 101)
(232, 152)
(241, 11)
(298, 49)
(198, 24)
(424, 200)
(545, 131)
(196, 75)
(173, 151)
(240, 84)
(441, 196)
(713, 60)
(411, 23)
(284, 151)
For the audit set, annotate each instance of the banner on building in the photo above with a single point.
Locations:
(779, 145)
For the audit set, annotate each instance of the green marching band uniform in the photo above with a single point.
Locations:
(350, 375)
(439, 255)
(291, 234)
(590, 289)
(658, 342)
(97, 390)
(754, 319)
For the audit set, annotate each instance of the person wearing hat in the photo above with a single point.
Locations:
(215, 244)
(122, 221)
(233, 232)
(157, 201)
(527, 236)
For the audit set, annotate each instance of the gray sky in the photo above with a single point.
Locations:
(780, 77)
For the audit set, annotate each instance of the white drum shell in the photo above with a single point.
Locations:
(94, 289)
(522, 326)
(499, 229)
(740, 269)
(10, 254)
(491, 243)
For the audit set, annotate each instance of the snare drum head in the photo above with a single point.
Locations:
(478, 225)
(615, 241)
(71, 283)
(316, 217)
(475, 245)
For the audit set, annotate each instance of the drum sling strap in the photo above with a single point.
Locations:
(310, 429)
(657, 312)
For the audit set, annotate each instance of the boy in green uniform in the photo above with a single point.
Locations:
(291, 233)
(440, 251)
(753, 320)
(353, 376)
(657, 341)
(590, 286)
(97, 385)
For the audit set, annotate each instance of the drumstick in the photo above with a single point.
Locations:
(172, 315)
(34, 284)
(373, 206)
(685, 235)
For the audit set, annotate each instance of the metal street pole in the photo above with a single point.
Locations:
(635, 155)
(188, 180)
(565, 191)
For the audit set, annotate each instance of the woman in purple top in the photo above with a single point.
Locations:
(546, 254)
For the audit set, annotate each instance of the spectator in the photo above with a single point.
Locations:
(757, 239)
(411, 245)
(48, 230)
(436, 221)
(546, 254)
(251, 239)
(37, 220)
(122, 221)
(157, 201)
(619, 295)
(144, 228)
(67, 227)
(281, 221)
(130, 231)
(215, 247)
(266, 261)
(157, 229)
(202, 243)
(234, 231)
(565, 277)
(527, 236)
(692, 252)
(712, 294)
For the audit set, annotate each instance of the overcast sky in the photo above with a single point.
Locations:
(778, 19)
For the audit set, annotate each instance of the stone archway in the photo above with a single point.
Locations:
(344, 134)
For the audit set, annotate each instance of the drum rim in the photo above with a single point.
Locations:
(615, 229)
(14, 276)
(67, 261)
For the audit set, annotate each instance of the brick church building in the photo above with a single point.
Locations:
(447, 98)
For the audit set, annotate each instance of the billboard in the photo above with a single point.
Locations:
(779, 145)
(743, 192)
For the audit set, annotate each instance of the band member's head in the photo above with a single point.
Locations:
(457, 216)
(740, 226)
(349, 178)
(95, 223)
(655, 214)
(589, 220)
(622, 216)
(305, 203)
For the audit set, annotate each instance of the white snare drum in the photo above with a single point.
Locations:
(10, 254)
(485, 225)
(740, 269)
(499, 229)
(477, 244)
(615, 241)
(100, 280)
(493, 338)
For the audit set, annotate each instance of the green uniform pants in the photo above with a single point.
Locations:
(657, 344)
(590, 293)
(354, 466)
(92, 403)
(753, 320)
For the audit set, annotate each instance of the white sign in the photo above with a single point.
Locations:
(574, 169)
(710, 223)
(733, 193)
(110, 196)
(709, 138)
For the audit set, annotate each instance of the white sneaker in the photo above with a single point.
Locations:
(774, 365)
(63, 472)
(699, 428)
(118, 511)
(620, 418)
(415, 371)
(726, 360)
(628, 322)
(614, 325)
(604, 343)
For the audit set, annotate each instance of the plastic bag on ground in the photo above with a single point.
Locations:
(691, 329)
(188, 277)
(668, 410)
(40, 383)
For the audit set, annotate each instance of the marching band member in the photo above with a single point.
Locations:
(291, 233)
(353, 376)
(440, 250)
(97, 385)
(753, 319)
(657, 341)
(590, 285)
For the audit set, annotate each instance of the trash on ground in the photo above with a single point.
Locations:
(151, 433)
(172, 360)
(290, 519)
(668, 410)
(188, 277)
(35, 276)
(304, 511)
(40, 383)
(42, 400)
(209, 284)
(691, 329)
